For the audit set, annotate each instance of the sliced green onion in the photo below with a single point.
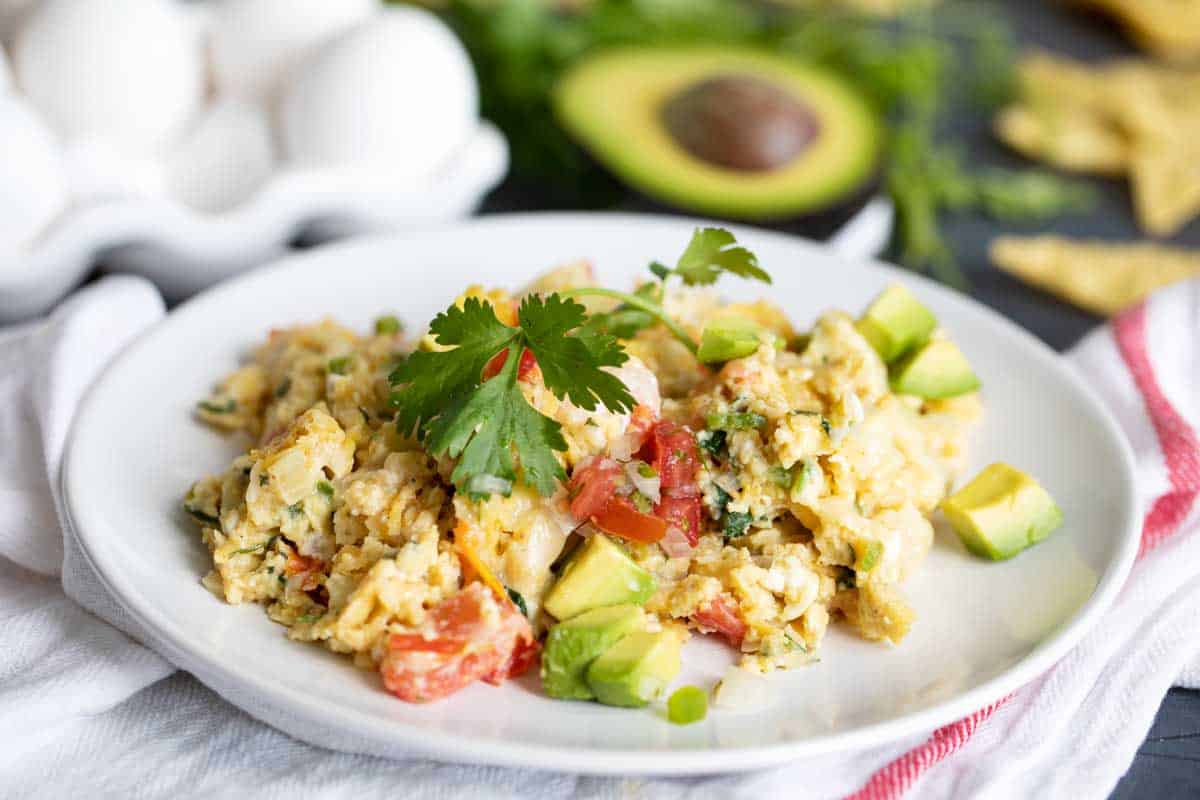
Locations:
(735, 421)
(869, 556)
(227, 407)
(339, 366)
(325, 488)
(687, 704)
(388, 325)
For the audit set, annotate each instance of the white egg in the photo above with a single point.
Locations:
(224, 160)
(33, 189)
(398, 92)
(98, 171)
(127, 72)
(256, 43)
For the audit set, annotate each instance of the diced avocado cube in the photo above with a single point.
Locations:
(636, 669)
(896, 323)
(599, 574)
(573, 645)
(727, 338)
(1001, 512)
(936, 370)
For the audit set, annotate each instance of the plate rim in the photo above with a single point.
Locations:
(395, 739)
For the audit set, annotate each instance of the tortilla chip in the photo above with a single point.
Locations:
(1169, 29)
(1123, 117)
(1102, 277)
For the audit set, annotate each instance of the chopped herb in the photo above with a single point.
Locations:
(518, 600)
(257, 548)
(642, 503)
(388, 325)
(660, 270)
(846, 578)
(441, 397)
(285, 386)
(228, 407)
(869, 556)
(803, 475)
(780, 476)
(687, 704)
(339, 365)
(297, 508)
(713, 442)
(793, 642)
(207, 519)
(735, 421)
(646, 471)
(263, 479)
(735, 523)
(325, 488)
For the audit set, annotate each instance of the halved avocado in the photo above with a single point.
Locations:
(727, 132)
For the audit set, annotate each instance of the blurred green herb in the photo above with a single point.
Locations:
(917, 70)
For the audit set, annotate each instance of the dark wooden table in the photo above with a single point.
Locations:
(1168, 763)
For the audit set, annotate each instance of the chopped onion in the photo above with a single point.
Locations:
(647, 485)
(675, 543)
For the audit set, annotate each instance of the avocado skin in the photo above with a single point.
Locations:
(1001, 512)
(599, 574)
(636, 669)
(895, 323)
(824, 185)
(935, 371)
(573, 645)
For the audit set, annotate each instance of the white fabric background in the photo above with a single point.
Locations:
(87, 710)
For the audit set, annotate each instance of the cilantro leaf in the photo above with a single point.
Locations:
(487, 425)
(711, 252)
(480, 427)
(571, 365)
(434, 377)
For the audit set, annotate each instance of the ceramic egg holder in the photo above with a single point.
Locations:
(190, 142)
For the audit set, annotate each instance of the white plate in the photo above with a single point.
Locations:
(982, 630)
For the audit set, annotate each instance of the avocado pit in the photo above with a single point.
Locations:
(740, 122)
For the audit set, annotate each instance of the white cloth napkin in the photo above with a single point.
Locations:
(87, 710)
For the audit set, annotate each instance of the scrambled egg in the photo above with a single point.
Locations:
(347, 531)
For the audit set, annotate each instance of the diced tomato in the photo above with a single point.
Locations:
(524, 369)
(641, 422)
(592, 485)
(683, 512)
(468, 637)
(671, 449)
(721, 616)
(620, 518)
(309, 568)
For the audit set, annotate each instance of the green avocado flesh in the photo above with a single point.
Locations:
(1001, 512)
(663, 119)
(935, 371)
(636, 670)
(573, 645)
(599, 574)
(895, 323)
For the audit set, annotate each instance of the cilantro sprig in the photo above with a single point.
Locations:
(487, 424)
(711, 253)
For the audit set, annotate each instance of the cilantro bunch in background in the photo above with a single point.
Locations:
(917, 70)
